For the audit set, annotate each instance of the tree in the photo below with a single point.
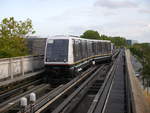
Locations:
(104, 37)
(142, 53)
(10, 28)
(119, 41)
(90, 34)
(12, 37)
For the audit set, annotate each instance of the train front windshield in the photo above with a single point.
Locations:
(57, 50)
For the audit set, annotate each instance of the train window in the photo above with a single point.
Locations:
(57, 50)
(77, 51)
(88, 48)
(80, 49)
(109, 47)
(84, 46)
(74, 50)
(104, 48)
(101, 47)
(93, 48)
(77, 48)
(97, 48)
(91, 51)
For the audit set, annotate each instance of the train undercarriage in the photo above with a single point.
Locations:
(64, 73)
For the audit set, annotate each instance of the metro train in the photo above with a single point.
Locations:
(70, 55)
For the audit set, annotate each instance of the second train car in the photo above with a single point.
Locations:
(69, 55)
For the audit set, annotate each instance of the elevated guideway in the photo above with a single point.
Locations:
(104, 88)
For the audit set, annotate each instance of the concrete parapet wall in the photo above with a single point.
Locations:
(139, 101)
(11, 67)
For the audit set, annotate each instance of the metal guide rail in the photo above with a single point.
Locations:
(99, 93)
(11, 98)
(69, 104)
(54, 97)
(18, 90)
(13, 103)
(78, 101)
(63, 98)
(8, 87)
(59, 92)
(115, 97)
(44, 93)
(67, 92)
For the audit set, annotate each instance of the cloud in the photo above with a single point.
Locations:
(116, 4)
(78, 30)
(147, 11)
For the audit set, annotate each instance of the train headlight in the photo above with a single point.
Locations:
(64, 60)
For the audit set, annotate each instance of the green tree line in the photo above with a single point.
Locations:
(13, 33)
(142, 53)
(91, 34)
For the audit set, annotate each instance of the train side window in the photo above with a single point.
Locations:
(93, 49)
(101, 47)
(85, 49)
(98, 48)
(80, 49)
(77, 49)
(88, 48)
(106, 47)
(74, 50)
(109, 47)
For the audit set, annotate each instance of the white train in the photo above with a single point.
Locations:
(69, 54)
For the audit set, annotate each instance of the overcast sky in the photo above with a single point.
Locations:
(126, 18)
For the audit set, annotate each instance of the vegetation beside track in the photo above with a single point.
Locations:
(12, 37)
(143, 55)
(141, 51)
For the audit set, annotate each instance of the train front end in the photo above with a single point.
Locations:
(57, 60)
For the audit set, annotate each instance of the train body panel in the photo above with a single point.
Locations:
(73, 54)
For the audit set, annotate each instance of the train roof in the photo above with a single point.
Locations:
(74, 37)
